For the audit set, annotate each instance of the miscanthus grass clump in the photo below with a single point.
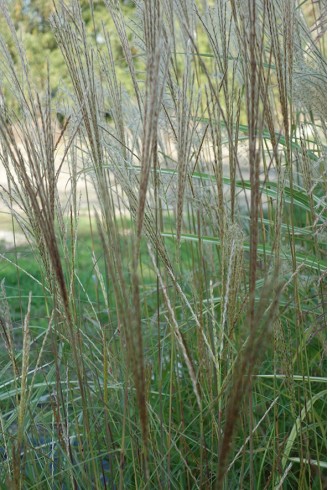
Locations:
(164, 326)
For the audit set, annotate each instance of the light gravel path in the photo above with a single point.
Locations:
(64, 190)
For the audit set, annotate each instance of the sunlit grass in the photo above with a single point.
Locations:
(170, 331)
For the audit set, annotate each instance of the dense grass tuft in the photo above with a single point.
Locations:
(164, 323)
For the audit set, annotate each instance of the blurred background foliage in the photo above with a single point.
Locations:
(31, 23)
